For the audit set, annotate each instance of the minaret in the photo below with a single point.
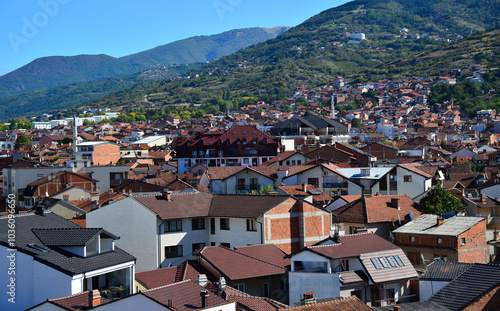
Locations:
(333, 102)
(74, 136)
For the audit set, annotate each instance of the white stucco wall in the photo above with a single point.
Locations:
(237, 235)
(135, 225)
(417, 186)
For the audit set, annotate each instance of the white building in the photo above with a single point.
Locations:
(53, 257)
(364, 265)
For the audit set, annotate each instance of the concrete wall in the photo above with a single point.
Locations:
(136, 226)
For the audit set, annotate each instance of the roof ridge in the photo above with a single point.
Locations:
(69, 296)
(325, 302)
(168, 285)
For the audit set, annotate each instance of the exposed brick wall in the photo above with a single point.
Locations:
(284, 228)
(471, 256)
(488, 302)
(106, 154)
(314, 226)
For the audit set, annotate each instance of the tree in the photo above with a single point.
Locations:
(356, 123)
(22, 140)
(301, 101)
(438, 200)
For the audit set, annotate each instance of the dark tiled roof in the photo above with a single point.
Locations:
(468, 287)
(411, 306)
(267, 252)
(230, 262)
(54, 257)
(342, 304)
(66, 236)
(353, 245)
(444, 270)
(353, 277)
(244, 206)
(185, 296)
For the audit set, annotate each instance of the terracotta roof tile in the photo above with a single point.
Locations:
(76, 302)
(342, 304)
(267, 252)
(230, 263)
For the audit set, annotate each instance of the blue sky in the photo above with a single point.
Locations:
(32, 29)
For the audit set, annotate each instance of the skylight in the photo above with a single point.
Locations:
(375, 263)
(391, 262)
(384, 263)
(398, 260)
(38, 247)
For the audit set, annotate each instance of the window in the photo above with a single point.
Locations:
(245, 161)
(462, 241)
(198, 223)
(293, 162)
(407, 178)
(299, 162)
(313, 181)
(383, 262)
(439, 241)
(356, 293)
(228, 245)
(398, 260)
(212, 225)
(240, 287)
(414, 258)
(254, 184)
(345, 264)
(412, 239)
(265, 289)
(251, 225)
(390, 293)
(197, 246)
(375, 263)
(173, 251)
(194, 153)
(284, 284)
(241, 183)
(172, 226)
(224, 223)
(391, 262)
(288, 162)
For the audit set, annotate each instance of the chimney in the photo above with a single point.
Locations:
(395, 202)
(167, 195)
(440, 221)
(496, 235)
(396, 308)
(204, 298)
(309, 298)
(94, 196)
(463, 192)
(110, 191)
(202, 280)
(483, 198)
(170, 303)
(304, 187)
(94, 298)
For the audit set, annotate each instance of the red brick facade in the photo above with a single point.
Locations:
(294, 224)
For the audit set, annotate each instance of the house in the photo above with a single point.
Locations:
(438, 274)
(307, 192)
(477, 288)
(364, 265)
(384, 153)
(166, 229)
(288, 158)
(485, 206)
(95, 153)
(54, 257)
(491, 187)
(379, 214)
(413, 179)
(258, 278)
(430, 237)
(53, 184)
(239, 146)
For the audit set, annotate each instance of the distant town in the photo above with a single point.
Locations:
(344, 197)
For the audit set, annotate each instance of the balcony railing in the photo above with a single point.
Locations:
(335, 184)
(247, 187)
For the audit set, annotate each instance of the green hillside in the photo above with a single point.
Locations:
(49, 72)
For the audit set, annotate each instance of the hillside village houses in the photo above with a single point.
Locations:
(328, 206)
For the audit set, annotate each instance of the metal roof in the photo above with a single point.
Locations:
(427, 225)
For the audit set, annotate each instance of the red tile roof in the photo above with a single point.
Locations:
(267, 252)
(76, 302)
(352, 246)
(185, 296)
(342, 304)
(235, 265)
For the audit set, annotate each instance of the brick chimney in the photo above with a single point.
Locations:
(395, 202)
(94, 298)
(309, 298)
(167, 195)
(396, 308)
(440, 221)
(483, 199)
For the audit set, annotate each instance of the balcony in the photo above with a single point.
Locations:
(246, 188)
(335, 184)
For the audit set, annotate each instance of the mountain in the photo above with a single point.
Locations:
(314, 52)
(48, 72)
